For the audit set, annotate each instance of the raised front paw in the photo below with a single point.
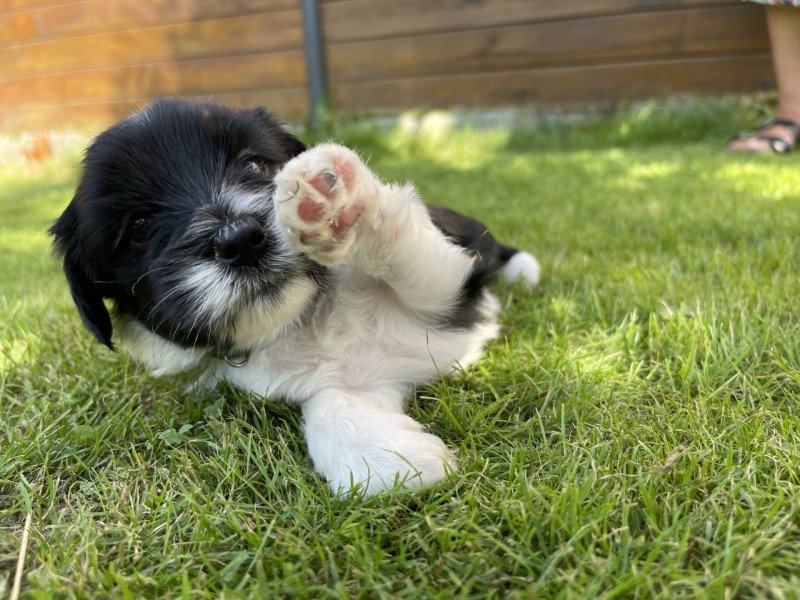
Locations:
(319, 197)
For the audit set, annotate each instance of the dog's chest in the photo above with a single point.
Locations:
(365, 340)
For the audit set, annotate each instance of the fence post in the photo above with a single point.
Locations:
(315, 63)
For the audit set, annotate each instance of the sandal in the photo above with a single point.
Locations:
(777, 144)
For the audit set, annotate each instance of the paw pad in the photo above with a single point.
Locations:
(319, 197)
(324, 183)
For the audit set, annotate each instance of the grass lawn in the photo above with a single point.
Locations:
(634, 433)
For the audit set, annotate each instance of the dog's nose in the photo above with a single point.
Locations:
(241, 242)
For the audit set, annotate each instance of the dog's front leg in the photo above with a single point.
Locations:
(365, 442)
(331, 207)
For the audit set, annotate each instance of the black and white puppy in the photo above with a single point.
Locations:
(228, 247)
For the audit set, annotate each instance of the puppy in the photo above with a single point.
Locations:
(225, 246)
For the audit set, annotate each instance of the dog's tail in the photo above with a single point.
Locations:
(493, 257)
(518, 265)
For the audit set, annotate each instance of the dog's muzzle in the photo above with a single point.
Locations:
(241, 242)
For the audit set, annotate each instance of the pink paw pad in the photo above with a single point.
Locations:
(344, 220)
(310, 211)
(346, 171)
(324, 182)
(320, 197)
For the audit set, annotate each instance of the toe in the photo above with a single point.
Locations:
(345, 219)
(308, 210)
(324, 183)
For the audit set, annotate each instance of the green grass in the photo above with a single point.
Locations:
(634, 433)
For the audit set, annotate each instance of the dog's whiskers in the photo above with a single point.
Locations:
(176, 290)
(150, 272)
(292, 194)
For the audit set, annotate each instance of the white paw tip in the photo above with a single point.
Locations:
(523, 267)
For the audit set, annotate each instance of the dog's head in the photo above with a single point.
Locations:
(172, 220)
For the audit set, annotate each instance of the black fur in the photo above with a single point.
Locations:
(490, 258)
(160, 174)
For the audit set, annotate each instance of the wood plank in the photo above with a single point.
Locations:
(285, 104)
(8, 5)
(31, 23)
(275, 70)
(219, 37)
(722, 29)
(600, 84)
(351, 20)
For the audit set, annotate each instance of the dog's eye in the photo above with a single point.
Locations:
(257, 166)
(139, 230)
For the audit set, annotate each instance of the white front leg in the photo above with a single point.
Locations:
(331, 207)
(368, 443)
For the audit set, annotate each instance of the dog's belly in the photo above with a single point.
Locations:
(363, 345)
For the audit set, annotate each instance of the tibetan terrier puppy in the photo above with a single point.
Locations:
(227, 246)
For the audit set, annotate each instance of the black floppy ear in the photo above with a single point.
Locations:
(292, 144)
(91, 308)
(87, 297)
(289, 143)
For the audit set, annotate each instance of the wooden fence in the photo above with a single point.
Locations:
(87, 62)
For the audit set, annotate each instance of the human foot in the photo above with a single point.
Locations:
(778, 135)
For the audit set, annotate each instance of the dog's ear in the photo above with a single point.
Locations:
(293, 145)
(79, 273)
(290, 144)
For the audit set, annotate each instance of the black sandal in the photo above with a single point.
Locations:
(778, 145)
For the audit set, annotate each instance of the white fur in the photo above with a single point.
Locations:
(207, 284)
(241, 201)
(352, 366)
(255, 323)
(160, 356)
(523, 267)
